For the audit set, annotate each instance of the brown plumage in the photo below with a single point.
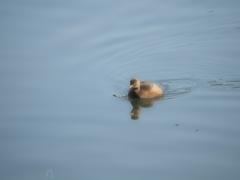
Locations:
(143, 89)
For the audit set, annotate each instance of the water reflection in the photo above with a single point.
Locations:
(138, 103)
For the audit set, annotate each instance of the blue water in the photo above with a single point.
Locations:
(61, 62)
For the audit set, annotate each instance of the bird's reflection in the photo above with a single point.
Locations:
(138, 103)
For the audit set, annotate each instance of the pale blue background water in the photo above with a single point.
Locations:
(61, 62)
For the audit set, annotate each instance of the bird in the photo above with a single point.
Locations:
(143, 89)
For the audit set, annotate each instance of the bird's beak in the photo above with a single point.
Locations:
(130, 86)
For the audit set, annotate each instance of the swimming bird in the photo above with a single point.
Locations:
(143, 89)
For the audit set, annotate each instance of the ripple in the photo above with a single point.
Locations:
(175, 88)
(221, 83)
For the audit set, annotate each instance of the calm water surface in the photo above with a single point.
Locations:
(62, 62)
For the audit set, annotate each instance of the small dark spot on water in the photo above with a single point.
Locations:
(121, 97)
(196, 130)
(210, 11)
(176, 124)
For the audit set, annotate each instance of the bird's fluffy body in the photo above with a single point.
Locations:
(143, 89)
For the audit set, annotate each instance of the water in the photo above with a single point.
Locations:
(62, 62)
